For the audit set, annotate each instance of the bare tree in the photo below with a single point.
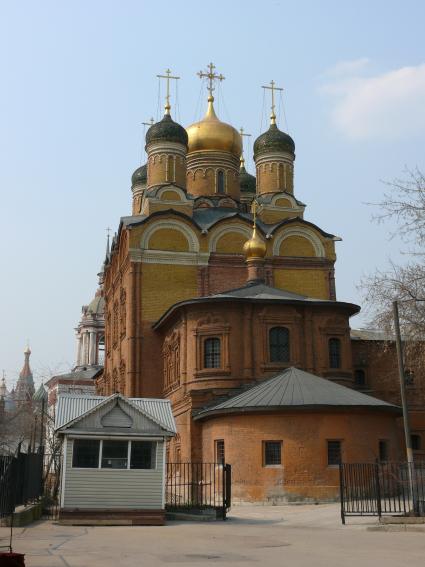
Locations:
(403, 202)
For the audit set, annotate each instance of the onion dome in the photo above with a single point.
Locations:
(274, 140)
(255, 248)
(96, 306)
(166, 130)
(140, 176)
(212, 134)
(247, 182)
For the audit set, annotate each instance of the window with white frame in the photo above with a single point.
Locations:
(114, 454)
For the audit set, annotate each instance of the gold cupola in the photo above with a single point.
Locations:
(214, 149)
(255, 248)
(212, 134)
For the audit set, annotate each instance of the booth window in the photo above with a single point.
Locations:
(212, 353)
(85, 453)
(114, 454)
(272, 453)
(334, 353)
(279, 344)
(143, 455)
(334, 453)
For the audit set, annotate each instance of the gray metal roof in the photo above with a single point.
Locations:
(296, 389)
(263, 291)
(72, 406)
(371, 335)
(82, 373)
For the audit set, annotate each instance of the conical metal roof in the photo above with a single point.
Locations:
(296, 389)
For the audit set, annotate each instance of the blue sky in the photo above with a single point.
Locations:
(78, 78)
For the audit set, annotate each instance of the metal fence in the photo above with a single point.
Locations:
(378, 489)
(198, 486)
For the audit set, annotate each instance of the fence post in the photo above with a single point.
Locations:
(341, 491)
(378, 491)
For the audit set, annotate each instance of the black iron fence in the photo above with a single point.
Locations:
(21, 480)
(378, 489)
(198, 486)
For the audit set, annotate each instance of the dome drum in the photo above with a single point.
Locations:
(213, 172)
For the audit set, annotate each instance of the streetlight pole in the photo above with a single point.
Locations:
(406, 426)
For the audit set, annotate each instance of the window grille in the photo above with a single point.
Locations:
(279, 344)
(334, 353)
(416, 442)
(219, 451)
(360, 378)
(272, 453)
(212, 354)
(334, 452)
(383, 450)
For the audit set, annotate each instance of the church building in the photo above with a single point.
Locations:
(220, 296)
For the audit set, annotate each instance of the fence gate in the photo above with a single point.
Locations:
(378, 489)
(198, 486)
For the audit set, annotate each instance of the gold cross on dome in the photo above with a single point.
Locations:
(211, 76)
(273, 88)
(149, 122)
(254, 207)
(167, 77)
(242, 133)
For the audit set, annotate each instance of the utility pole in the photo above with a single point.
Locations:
(406, 426)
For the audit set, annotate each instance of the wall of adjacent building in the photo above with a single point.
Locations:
(113, 488)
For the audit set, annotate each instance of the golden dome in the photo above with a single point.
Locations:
(212, 134)
(255, 248)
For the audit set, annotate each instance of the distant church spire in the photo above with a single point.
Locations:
(24, 390)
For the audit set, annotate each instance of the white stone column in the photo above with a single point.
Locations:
(79, 345)
(92, 347)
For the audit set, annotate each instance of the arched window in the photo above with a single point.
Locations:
(360, 378)
(279, 344)
(220, 182)
(212, 353)
(334, 353)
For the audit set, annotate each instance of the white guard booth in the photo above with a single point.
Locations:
(113, 469)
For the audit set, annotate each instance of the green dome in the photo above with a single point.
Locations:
(247, 182)
(168, 131)
(140, 175)
(40, 394)
(273, 140)
(97, 305)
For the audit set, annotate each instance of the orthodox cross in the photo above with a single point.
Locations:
(273, 88)
(149, 122)
(211, 76)
(167, 77)
(108, 232)
(242, 133)
(254, 207)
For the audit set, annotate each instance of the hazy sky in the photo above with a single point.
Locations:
(79, 77)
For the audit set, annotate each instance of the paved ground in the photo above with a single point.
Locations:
(293, 536)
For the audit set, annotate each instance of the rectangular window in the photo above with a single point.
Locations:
(114, 454)
(383, 450)
(219, 451)
(86, 453)
(212, 354)
(143, 455)
(334, 453)
(272, 453)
